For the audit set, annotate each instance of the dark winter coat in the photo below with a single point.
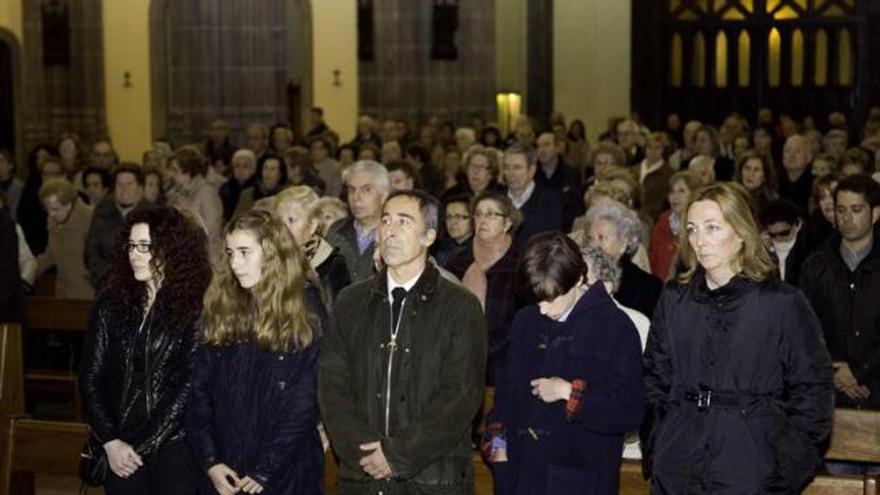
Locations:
(541, 213)
(11, 290)
(333, 273)
(257, 412)
(848, 306)
(343, 236)
(638, 289)
(551, 448)
(503, 299)
(436, 385)
(758, 347)
(134, 383)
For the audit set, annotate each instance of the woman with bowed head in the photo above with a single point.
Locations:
(739, 382)
(297, 208)
(572, 387)
(138, 354)
(252, 417)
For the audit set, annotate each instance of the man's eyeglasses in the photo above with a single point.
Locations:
(139, 247)
(457, 216)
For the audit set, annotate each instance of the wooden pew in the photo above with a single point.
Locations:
(29, 446)
(11, 374)
(59, 315)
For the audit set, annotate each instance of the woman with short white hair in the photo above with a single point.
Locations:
(616, 230)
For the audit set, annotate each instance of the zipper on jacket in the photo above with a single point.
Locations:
(392, 349)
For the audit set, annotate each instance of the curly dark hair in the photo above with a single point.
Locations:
(179, 249)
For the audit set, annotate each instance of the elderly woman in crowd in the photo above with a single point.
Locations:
(244, 166)
(481, 169)
(664, 237)
(615, 229)
(138, 354)
(330, 210)
(709, 146)
(572, 387)
(252, 416)
(489, 270)
(192, 193)
(69, 220)
(271, 178)
(758, 177)
(297, 208)
(459, 231)
(739, 381)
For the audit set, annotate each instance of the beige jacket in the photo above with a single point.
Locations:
(65, 251)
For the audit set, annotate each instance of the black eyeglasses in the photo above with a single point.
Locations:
(139, 247)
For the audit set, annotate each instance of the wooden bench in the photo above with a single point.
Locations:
(59, 315)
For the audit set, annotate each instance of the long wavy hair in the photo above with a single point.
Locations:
(753, 260)
(273, 313)
(179, 253)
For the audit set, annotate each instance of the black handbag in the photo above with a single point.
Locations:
(93, 464)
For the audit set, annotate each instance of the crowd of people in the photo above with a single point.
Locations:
(255, 305)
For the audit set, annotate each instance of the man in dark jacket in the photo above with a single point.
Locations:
(554, 174)
(842, 283)
(782, 223)
(366, 186)
(109, 217)
(541, 206)
(401, 374)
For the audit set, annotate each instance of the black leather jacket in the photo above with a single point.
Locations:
(135, 381)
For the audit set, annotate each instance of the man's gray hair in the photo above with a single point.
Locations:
(528, 152)
(602, 267)
(629, 227)
(377, 171)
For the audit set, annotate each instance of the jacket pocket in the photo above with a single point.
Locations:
(563, 480)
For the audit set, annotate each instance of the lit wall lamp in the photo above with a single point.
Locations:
(509, 105)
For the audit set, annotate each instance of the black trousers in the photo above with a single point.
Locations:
(171, 472)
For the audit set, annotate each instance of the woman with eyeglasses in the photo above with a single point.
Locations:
(138, 353)
(459, 231)
(489, 270)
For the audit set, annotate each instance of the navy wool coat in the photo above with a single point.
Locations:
(257, 412)
(552, 448)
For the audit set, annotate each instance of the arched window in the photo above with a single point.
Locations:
(721, 60)
(820, 78)
(844, 59)
(675, 55)
(698, 61)
(745, 52)
(774, 64)
(797, 58)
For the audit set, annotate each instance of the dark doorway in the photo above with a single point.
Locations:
(7, 110)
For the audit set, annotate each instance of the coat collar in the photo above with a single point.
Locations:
(734, 289)
(425, 287)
